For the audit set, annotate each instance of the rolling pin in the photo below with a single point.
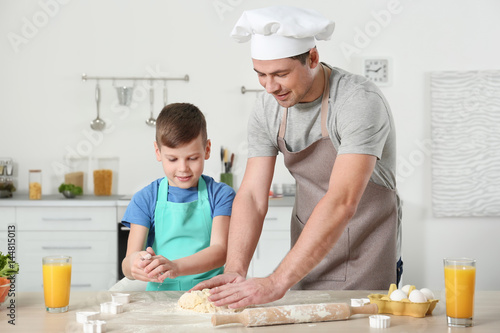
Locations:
(293, 314)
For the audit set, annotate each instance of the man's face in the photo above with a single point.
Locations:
(286, 79)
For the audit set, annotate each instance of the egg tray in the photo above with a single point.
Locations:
(403, 307)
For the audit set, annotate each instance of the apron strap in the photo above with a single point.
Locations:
(324, 102)
(324, 108)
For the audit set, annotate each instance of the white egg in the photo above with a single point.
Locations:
(416, 296)
(397, 295)
(428, 293)
(406, 289)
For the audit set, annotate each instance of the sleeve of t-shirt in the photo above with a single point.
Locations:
(261, 141)
(141, 208)
(222, 198)
(363, 124)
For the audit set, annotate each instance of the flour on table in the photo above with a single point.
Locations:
(198, 301)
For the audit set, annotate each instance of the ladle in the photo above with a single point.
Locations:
(165, 93)
(97, 124)
(151, 121)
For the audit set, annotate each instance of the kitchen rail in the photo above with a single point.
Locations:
(85, 77)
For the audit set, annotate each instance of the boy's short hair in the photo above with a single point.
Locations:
(180, 123)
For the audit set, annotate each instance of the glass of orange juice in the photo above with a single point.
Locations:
(56, 283)
(460, 282)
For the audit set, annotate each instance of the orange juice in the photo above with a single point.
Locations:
(459, 283)
(56, 284)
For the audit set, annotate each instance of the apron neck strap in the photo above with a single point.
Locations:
(324, 107)
(163, 189)
(324, 101)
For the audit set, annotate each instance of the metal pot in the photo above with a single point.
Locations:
(124, 95)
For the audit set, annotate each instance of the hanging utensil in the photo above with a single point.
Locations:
(124, 95)
(222, 158)
(231, 161)
(164, 93)
(151, 121)
(97, 124)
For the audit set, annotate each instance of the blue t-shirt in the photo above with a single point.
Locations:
(141, 209)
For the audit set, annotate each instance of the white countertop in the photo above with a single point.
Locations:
(157, 312)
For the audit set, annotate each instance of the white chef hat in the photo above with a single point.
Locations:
(281, 31)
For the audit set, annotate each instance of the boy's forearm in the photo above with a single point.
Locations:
(207, 259)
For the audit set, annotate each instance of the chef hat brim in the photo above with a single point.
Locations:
(281, 31)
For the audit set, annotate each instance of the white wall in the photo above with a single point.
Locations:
(45, 108)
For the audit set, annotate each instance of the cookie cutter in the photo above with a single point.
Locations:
(359, 301)
(94, 326)
(83, 317)
(120, 298)
(111, 307)
(379, 321)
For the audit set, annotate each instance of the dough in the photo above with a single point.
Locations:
(198, 301)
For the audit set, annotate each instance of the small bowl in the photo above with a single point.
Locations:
(68, 194)
(5, 194)
(4, 290)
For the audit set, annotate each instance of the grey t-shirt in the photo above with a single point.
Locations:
(359, 122)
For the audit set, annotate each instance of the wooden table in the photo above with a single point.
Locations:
(158, 312)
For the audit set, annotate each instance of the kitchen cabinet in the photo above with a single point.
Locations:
(84, 230)
(274, 242)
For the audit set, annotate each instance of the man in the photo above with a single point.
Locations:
(337, 136)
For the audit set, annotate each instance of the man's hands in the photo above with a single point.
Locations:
(219, 280)
(233, 290)
(149, 267)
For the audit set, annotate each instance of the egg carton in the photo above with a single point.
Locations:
(404, 307)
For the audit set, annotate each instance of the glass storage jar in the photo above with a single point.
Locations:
(35, 184)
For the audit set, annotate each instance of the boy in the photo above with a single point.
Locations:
(183, 218)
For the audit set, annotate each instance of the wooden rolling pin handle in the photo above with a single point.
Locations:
(222, 319)
(365, 309)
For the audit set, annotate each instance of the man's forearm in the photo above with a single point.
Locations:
(244, 232)
(329, 218)
(323, 229)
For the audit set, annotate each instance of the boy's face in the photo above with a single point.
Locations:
(183, 165)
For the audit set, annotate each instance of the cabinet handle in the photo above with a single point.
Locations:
(82, 285)
(66, 247)
(124, 228)
(271, 218)
(58, 219)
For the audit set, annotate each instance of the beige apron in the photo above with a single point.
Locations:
(365, 255)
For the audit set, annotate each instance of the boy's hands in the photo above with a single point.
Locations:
(137, 264)
(158, 268)
(147, 266)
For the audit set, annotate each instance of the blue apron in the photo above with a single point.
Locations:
(182, 229)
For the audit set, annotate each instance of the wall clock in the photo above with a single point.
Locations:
(378, 70)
